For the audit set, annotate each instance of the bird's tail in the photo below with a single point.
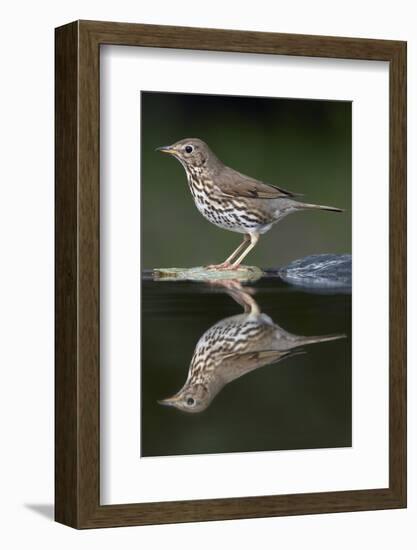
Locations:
(319, 207)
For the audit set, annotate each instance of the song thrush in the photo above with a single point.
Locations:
(231, 200)
(233, 347)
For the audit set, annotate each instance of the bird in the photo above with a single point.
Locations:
(231, 200)
(234, 347)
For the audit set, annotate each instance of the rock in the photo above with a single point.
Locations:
(244, 273)
(320, 273)
(326, 271)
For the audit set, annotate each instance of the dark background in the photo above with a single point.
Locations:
(301, 145)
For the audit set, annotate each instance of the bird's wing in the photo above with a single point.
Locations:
(231, 183)
(235, 365)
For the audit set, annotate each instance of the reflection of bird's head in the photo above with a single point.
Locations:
(192, 398)
(191, 152)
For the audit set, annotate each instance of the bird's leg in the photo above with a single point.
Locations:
(228, 262)
(244, 299)
(254, 238)
(246, 241)
(241, 295)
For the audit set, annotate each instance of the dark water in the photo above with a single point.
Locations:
(303, 401)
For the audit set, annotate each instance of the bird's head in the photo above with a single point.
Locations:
(191, 399)
(191, 152)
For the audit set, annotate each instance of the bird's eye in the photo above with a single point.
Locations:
(188, 148)
(190, 401)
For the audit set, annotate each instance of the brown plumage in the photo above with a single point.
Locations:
(234, 184)
(232, 200)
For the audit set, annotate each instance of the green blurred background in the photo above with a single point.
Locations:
(301, 145)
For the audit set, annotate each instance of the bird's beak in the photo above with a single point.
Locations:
(168, 149)
(168, 402)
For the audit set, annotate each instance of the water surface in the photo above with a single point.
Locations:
(303, 401)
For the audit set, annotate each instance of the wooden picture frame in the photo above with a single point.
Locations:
(77, 274)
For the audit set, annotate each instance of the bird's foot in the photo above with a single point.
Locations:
(219, 267)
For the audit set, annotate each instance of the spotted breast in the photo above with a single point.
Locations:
(224, 212)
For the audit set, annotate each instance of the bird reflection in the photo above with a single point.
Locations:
(233, 347)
